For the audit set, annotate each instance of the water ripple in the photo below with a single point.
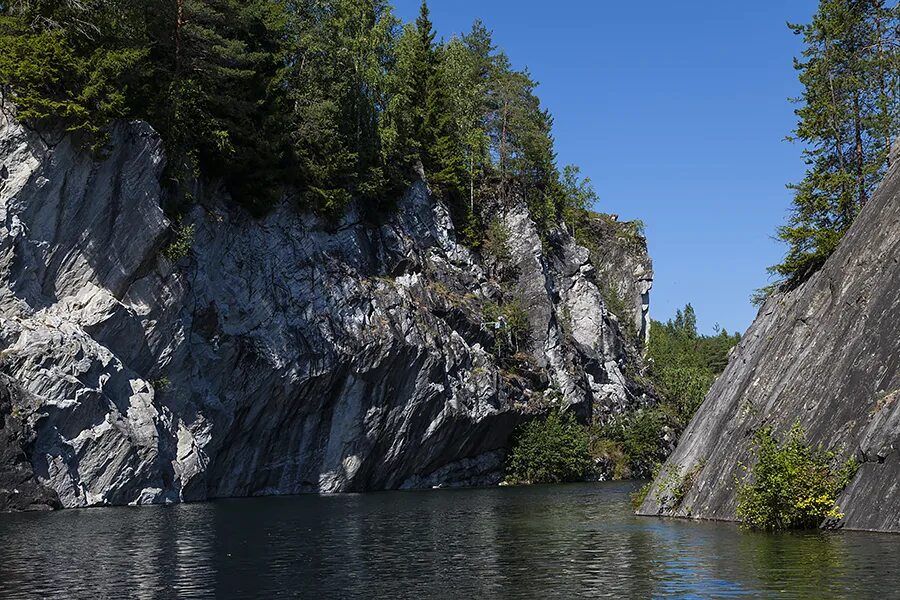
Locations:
(568, 542)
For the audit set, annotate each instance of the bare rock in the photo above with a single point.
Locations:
(826, 355)
(280, 355)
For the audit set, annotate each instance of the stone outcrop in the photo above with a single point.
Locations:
(619, 250)
(278, 355)
(19, 488)
(826, 355)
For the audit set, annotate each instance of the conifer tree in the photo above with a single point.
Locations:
(578, 196)
(847, 118)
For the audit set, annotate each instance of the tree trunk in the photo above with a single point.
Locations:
(503, 149)
(835, 124)
(471, 180)
(884, 103)
(179, 24)
(860, 157)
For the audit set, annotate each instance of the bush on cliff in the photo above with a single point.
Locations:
(793, 485)
(552, 450)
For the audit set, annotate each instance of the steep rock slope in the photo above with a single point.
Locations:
(827, 355)
(280, 355)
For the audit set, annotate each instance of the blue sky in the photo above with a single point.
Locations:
(678, 112)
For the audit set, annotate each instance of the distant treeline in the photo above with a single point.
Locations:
(848, 116)
(334, 99)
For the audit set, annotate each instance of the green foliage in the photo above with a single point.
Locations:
(338, 55)
(792, 485)
(509, 322)
(161, 384)
(552, 450)
(848, 114)
(684, 364)
(496, 242)
(638, 497)
(578, 197)
(54, 86)
(327, 99)
(180, 247)
(632, 442)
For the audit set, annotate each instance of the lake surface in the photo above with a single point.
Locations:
(539, 542)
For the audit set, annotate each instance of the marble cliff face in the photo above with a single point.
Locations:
(826, 355)
(278, 355)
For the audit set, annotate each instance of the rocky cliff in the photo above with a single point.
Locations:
(827, 355)
(152, 362)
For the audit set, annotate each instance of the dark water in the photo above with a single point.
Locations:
(541, 542)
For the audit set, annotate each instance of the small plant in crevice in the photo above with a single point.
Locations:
(160, 384)
(639, 495)
(180, 247)
(792, 485)
(509, 321)
(676, 485)
(549, 450)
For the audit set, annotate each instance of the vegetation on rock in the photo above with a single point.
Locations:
(550, 450)
(792, 485)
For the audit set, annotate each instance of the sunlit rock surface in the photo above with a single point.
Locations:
(280, 355)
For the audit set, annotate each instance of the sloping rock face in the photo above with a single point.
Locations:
(280, 355)
(827, 355)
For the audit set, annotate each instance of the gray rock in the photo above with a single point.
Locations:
(826, 355)
(281, 355)
(19, 488)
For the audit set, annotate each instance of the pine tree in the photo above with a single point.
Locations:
(220, 59)
(322, 92)
(847, 117)
(69, 65)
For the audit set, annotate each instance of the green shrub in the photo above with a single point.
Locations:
(792, 485)
(161, 384)
(496, 241)
(632, 443)
(510, 323)
(181, 245)
(553, 450)
(609, 455)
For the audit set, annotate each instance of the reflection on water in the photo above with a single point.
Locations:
(571, 541)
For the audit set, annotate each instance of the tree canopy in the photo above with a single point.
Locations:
(848, 114)
(334, 100)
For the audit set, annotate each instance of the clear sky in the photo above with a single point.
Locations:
(678, 112)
